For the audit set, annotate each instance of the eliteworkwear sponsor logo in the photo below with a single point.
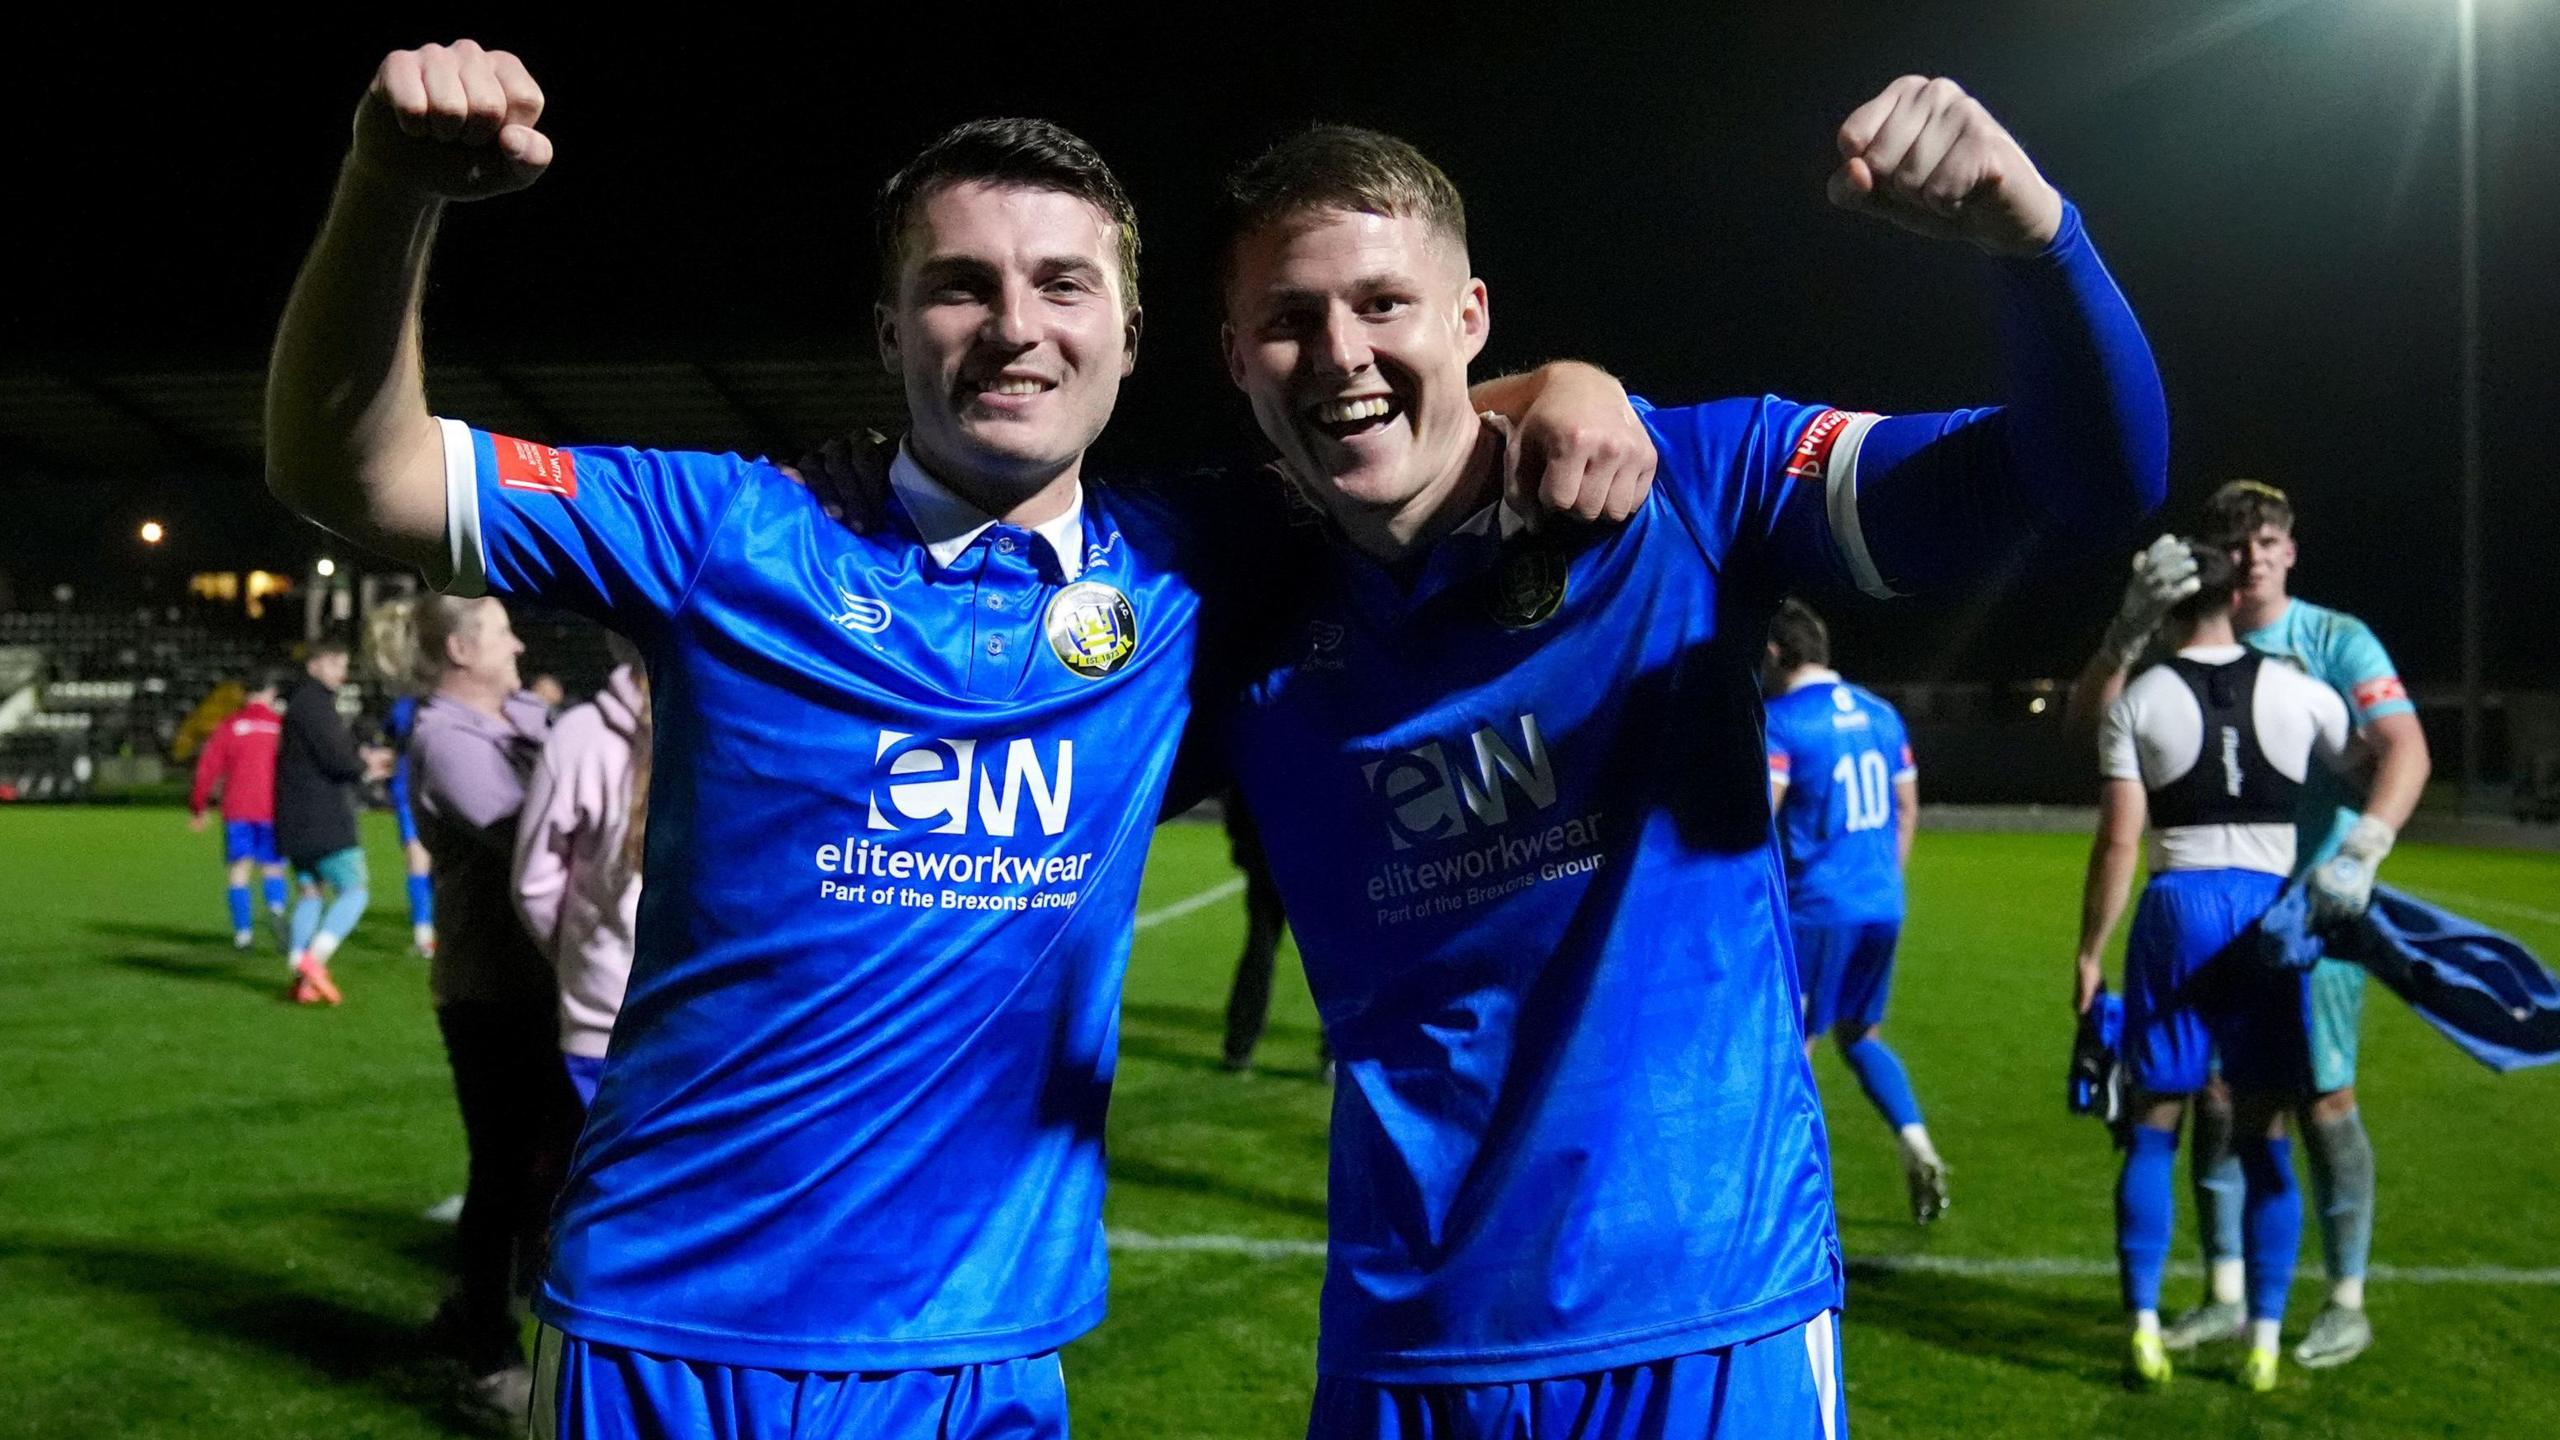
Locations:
(1500, 779)
(994, 789)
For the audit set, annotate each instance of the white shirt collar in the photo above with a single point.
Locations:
(1512, 521)
(1816, 676)
(950, 525)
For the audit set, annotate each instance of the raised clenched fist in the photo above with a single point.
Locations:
(1928, 157)
(455, 122)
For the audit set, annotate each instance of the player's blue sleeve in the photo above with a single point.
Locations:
(1900, 503)
(2352, 662)
(617, 535)
(2081, 450)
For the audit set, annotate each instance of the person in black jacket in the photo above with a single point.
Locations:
(316, 761)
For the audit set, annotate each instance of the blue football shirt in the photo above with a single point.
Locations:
(1515, 798)
(853, 1114)
(1839, 749)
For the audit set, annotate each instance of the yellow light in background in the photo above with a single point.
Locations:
(327, 567)
(2036, 706)
(152, 532)
(261, 585)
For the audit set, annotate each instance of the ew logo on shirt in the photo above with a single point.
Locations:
(1439, 792)
(930, 779)
(523, 465)
(970, 789)
(1430, 798)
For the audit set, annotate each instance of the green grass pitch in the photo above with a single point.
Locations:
(210, 1201)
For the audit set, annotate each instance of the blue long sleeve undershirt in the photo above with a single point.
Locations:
(2077, 457)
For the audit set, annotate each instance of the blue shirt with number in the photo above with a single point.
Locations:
(1839, 750)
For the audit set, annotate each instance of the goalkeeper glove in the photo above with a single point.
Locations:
(2164, 573)
(2342, 885)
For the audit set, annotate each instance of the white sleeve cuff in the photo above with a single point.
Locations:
(1840, 499)
(466, 565)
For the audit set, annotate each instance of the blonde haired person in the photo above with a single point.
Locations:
(475, 741)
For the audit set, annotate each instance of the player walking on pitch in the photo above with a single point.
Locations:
(316, 762)
(844, 1171)
(2212, 749)
(2345, 830)
(1515, 797)
(1847, 795)
(239, 766)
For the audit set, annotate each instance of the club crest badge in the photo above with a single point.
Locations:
(1526, 586)
(1092, 629)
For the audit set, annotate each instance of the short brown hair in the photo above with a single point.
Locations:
(1338, 167)
(2238, 509)
(1033, 154)
(1799, 636)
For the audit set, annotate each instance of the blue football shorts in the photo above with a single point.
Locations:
(249, 840)
(1786, 1386)
(1846, 972)
(2192, 995)
(584, 1391)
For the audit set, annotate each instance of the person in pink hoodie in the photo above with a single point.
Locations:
(577, 868)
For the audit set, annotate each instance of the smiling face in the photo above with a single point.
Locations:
(1351, 334)
(1010, 329)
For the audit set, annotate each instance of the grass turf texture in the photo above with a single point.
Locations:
(210, 1201)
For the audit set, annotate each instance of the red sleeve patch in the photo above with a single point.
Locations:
(523, 465)
(1780, 762)
(1813, 452)
(2379, 691)
(1908, 763)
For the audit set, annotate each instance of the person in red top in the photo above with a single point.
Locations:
(239, 766)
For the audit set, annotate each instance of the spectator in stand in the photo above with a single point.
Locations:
(239, 766)
(577, 875)
(316, 761)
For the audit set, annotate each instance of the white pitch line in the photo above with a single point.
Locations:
(1218, 1245)
(2033, 1267)
(1184, 906)
(2518, 909)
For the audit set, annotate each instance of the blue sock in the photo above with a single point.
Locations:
(306, 923)
(422, 900)
(241, 916)
(276, 895)
(1881, 1075)
(344, 911)
(2146, 1210)
(2275, 1223)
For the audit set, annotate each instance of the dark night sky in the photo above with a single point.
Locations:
(2272, 183)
